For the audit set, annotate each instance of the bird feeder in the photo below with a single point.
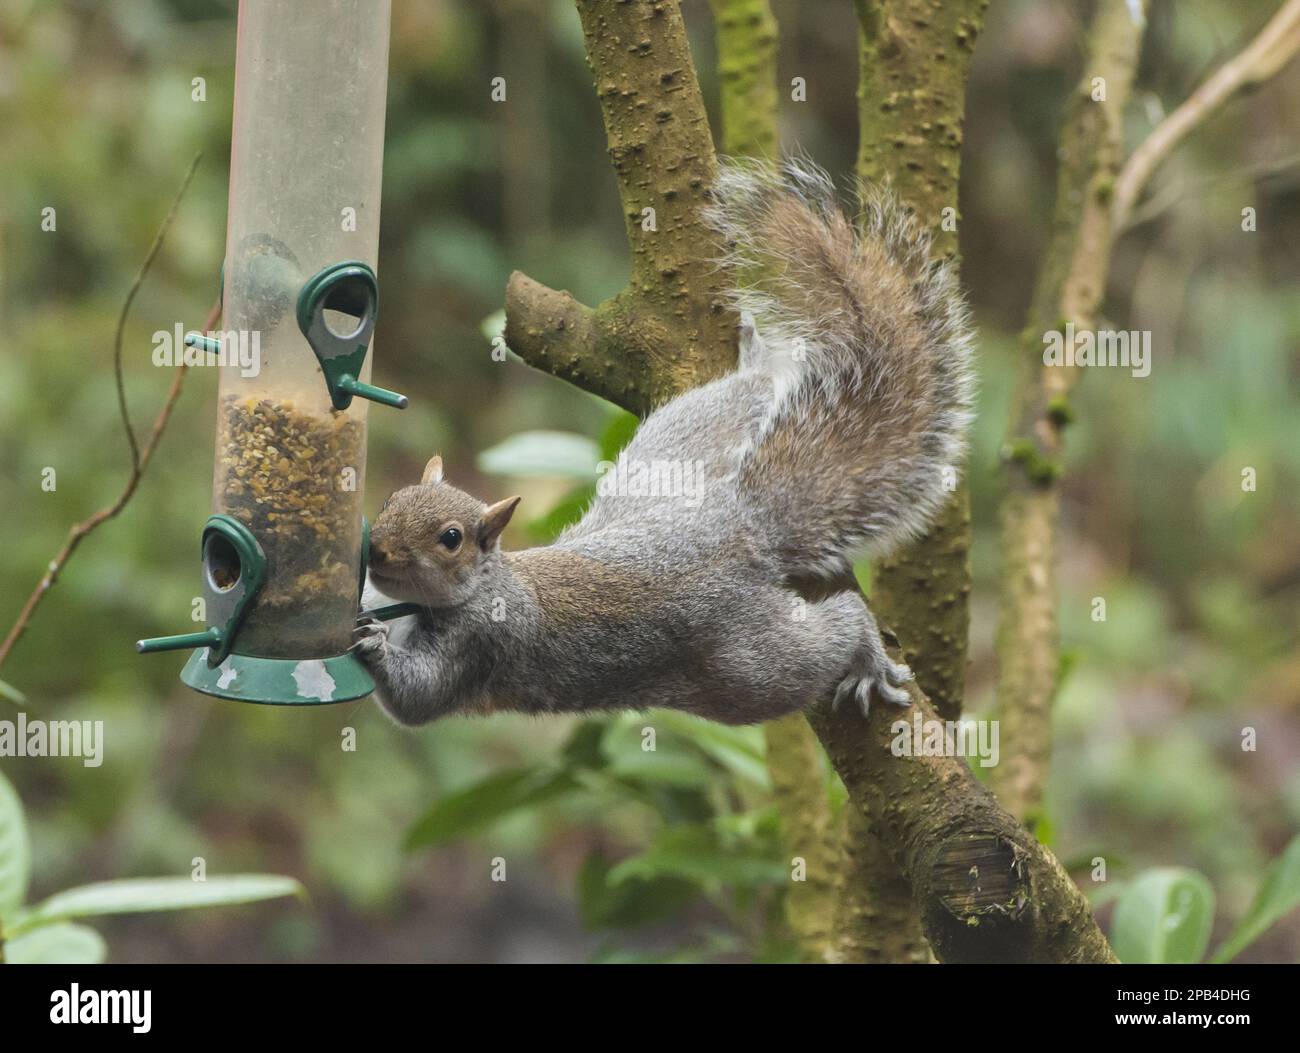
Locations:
(283, 553)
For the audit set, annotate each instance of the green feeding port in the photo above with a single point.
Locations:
(337, 310)
(283, 554)
(235, 572)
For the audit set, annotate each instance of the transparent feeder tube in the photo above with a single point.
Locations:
(305, 174)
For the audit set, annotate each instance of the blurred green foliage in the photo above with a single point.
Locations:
(614, 851)
(45, 932)
(1166, 914)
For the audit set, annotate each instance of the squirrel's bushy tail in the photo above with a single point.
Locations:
(870, 348)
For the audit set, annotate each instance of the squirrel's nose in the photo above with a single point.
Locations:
(378, 555)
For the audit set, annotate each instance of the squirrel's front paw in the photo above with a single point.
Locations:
(370, 639)
(880, 671)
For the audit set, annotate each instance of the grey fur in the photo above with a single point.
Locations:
(853, 394)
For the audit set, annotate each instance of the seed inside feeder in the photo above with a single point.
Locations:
(291, 478)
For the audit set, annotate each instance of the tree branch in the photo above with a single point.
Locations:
(913, 61)
(807, 833)
(1173, 192)
(746, 41)
(914, 58)
(1069, 288)
(118, 379)
(1274, 47)
(670, 328)
(987, 890)
(1095, 199)
(140, 456)
(876, 920)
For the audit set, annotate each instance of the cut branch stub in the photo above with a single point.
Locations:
(620, 350)
(980, 876)
(987, 891)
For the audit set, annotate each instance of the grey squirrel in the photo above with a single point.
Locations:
(832, 438)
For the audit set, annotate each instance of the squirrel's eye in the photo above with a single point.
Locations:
(450, 539)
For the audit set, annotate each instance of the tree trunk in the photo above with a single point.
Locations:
(987, 891)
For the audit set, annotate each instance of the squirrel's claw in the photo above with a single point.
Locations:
(885, 675)
(843, 691)
(890, 686)
(369, 637)
(895, 696)
(899, 674)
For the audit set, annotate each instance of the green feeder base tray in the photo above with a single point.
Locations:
(279, 681)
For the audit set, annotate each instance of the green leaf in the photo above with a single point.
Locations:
(1278, 896)
(738, 749)
(583, 748)
(543, 453)
(672, 762)
(142, 895)
(15, 851)
(1163, 918)
(633, 902)
(12, 693)
(567, 511)
(617, 434)
(487, 801)
(63, 943)
(694, 853)
(752, 826)
(668, 765)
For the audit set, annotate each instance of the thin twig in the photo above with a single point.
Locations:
(118, 378)
(1275, 46)
(1169, 196)
(140, 457)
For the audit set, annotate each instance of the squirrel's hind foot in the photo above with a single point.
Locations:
(874, 668)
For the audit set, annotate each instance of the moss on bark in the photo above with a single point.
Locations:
(876, 919)
(807, 833)
(747, 39)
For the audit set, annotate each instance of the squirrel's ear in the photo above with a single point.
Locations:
(433, 471)
(495, 520)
